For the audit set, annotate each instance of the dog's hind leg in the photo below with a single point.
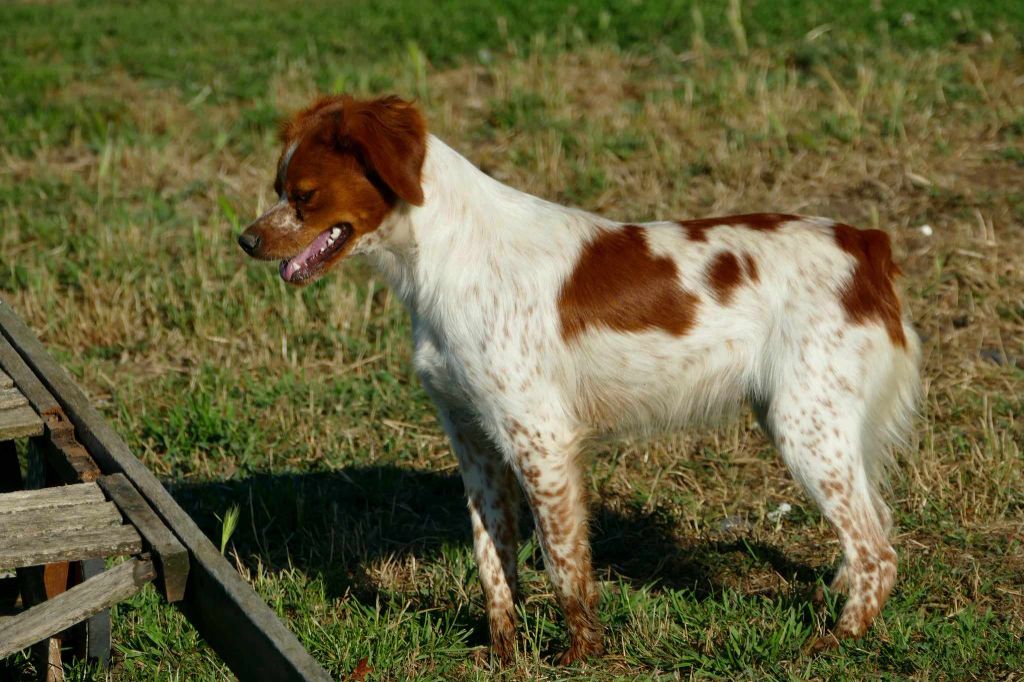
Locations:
(828, 418)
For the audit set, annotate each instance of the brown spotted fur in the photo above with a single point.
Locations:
(724, 275)
(619, 284)
(870, 295)
(696, 229)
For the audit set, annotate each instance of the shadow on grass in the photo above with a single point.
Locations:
(335, 524)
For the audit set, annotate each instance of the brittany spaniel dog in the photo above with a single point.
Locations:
(537, 326)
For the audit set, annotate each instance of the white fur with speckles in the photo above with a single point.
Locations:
(480, 266)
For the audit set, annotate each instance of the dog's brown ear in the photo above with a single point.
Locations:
(290, 128)
(391, 136)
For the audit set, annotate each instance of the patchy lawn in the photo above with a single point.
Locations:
(137, 139)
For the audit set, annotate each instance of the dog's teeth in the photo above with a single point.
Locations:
(335, 232)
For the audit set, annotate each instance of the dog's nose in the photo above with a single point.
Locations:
(248, 242)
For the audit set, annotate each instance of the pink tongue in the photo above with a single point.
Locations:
(291, 268)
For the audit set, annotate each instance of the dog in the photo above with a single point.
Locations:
(538, 326)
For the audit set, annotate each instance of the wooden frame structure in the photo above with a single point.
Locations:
(228, 614)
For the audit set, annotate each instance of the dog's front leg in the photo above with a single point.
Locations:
(494, 499)
(545, 452)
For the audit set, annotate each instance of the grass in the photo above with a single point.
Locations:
(139, 137)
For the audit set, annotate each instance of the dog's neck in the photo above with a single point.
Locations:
(466, 218)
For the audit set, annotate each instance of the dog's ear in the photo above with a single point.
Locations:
(291, 128)
(391, 137)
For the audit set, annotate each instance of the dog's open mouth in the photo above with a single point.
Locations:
(312, 259)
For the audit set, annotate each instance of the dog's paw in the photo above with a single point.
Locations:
(817, 596)
(481, 656)
(578, 651)
(822, 643)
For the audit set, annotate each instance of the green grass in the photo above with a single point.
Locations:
(216, 52)
(137, 138)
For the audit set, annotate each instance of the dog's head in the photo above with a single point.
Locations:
(345, 166)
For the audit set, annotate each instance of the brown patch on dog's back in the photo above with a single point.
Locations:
(696, 230)
(870, 295)
(724, 275)
(751, 266)
(619, 284)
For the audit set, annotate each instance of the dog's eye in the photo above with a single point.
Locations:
(303, 197)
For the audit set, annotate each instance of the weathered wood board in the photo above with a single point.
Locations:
(55, 456)
(93, 635)
(75, 545)
(63, 523)
(170, 555)
(230, 616)
(77, 604)
(19, 422)
(11, 397)
(17, 418)
(44, 521)
(24, 379)
(48, 498)
(62, 452)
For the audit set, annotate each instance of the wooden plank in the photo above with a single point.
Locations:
(49, 498)
(89, 639)
(169, 555)
(77, 604)
(72, 546)
(40, 522)
(40, 583)
(92, 637)
(230, 616)
(63, 453)
(55, 579)
(55, 454)
(32, 581)
(11, 397)
(52, 660)
(58, 455)
(25, 379)
(20, 422)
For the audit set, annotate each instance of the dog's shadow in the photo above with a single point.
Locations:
(338, 525)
